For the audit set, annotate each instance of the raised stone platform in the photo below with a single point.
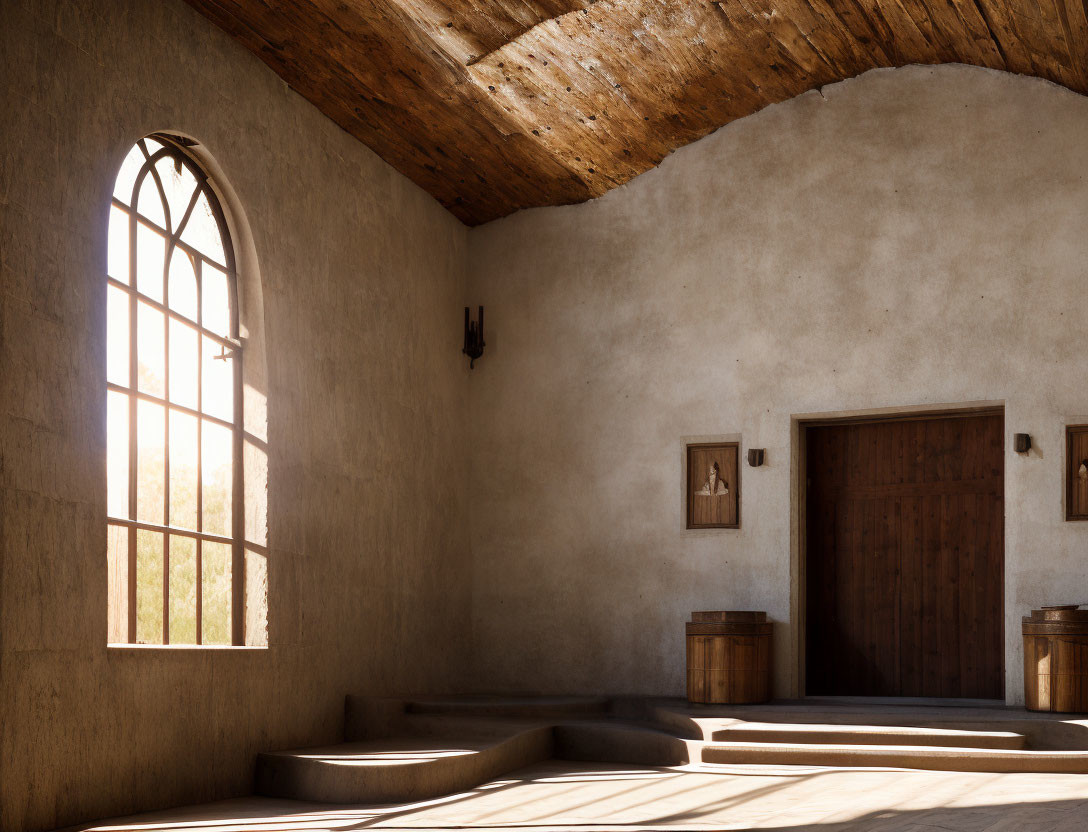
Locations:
(413, 749)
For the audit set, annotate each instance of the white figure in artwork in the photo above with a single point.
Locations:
(714, 486)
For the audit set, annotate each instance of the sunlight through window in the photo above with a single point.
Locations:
(173, 402)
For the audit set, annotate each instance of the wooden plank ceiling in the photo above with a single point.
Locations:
(496, 105)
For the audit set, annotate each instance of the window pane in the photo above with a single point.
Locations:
(149, 571)
(117, 455)
(149, 203)
(184, 361)
(117, 335)
(218, 380)
(202, 231)
(126, 177)
(182, 590)
(217, 476)
(216, 297)
(182, 284)
(183, 470)
(150, 350)
(150, 467)
(117, 259)
(117, 568)
(215, 588)
(150, 261)
(179, 186)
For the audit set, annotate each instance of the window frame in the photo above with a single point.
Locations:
(176, 149)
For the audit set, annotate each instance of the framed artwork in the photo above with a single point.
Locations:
(1076, 472)
(713, 486)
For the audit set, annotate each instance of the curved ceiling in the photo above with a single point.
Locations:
(496, 105)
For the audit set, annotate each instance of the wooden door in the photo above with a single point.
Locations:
(905, 557)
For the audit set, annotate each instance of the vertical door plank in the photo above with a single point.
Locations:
(910, 597)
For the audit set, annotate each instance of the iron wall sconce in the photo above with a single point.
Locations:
(474, 338)
(755, 456)
(1022, 443)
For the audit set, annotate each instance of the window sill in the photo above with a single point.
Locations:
(184, 647)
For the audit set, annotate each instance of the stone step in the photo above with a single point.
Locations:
(934, 758)
(795, 734)
(617, 742)
(521, 707)
(369, 717)
(408, 750)
(402, 769)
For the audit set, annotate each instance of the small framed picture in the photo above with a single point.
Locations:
(1076, 472)
(713, 486)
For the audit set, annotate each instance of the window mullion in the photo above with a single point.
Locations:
(162, 197)
(133, 372)
(199, 268)
(237, 575)
(197, 191)
(199, 590)
(176, 531)
(149, 397)
(166, 449)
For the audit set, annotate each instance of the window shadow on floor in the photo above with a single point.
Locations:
(563, 795)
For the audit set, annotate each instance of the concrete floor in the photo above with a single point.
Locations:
(575, 796)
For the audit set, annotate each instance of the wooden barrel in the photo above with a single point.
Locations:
(729, 657)
(1056, 660)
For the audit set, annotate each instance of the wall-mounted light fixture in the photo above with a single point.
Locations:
(755, 456)
(474, 338)
(1022, 443)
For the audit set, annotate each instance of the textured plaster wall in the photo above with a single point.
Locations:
(910, 237)
(362, 276)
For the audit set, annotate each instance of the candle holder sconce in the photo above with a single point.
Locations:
(474, 338)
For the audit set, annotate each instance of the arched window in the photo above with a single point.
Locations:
(173, 405)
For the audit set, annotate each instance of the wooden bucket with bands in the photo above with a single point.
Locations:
(729, 657)
(1056, 660)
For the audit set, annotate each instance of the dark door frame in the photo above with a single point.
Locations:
(799, 519)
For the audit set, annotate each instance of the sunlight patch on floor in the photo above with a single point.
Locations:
(600, 796)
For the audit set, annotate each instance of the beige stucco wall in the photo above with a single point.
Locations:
(910, 237)
(363, 279)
